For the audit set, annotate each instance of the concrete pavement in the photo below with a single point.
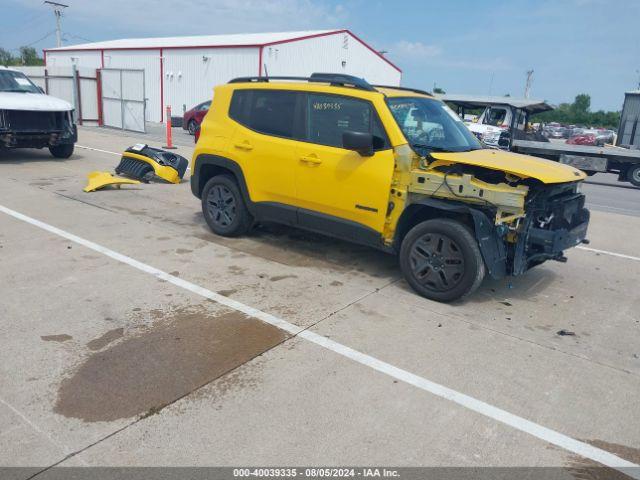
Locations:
(103, 364)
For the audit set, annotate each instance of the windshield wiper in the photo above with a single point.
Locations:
(432, 148)
(18, 90)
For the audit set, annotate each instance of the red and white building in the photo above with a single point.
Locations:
(181, 71)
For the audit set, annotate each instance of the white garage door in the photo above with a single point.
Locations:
(123, 104)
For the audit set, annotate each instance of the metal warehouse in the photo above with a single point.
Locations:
(181, 71)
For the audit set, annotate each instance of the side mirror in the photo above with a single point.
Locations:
(360, 142)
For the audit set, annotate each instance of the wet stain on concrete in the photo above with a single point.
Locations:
(175, 273)
(234, 269)
(585, 469)
(41, 184)
(63, 337)
(227, 293)
(336, 283)
(189, 348)
(104, 340)
(182, 251)
(277, 278)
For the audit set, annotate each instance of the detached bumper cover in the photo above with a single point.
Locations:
(141, 162)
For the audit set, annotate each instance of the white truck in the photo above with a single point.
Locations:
(503, 124)
(31, 119)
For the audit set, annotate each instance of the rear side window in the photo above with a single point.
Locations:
(329, 116)
(271, 112)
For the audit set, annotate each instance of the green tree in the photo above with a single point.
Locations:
(582, 103)
(29, 56)
(6, 58)
(439, 91)
(579, 113)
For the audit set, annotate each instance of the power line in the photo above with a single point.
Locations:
(57, 11)
(23, 24)
(17, 49)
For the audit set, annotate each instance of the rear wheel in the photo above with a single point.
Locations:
(441, 260)
(633, 175)
(191, 126)
(62, 151)
(224, 208)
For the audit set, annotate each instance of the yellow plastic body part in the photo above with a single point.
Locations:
(98, 180)
(169, 174)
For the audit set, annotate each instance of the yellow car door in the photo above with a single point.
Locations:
(337, 183)
(262, 143)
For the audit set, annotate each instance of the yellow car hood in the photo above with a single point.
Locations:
(524, 166)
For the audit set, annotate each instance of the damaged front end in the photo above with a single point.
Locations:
(556, 219)
(36, 129)
(519, 222)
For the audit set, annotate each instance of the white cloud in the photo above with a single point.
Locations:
(197, 17)
(415, 50)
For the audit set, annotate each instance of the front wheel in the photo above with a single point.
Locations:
(633, 175)
(441, 260)
(191, 126)
(62, 151)
(224, 208)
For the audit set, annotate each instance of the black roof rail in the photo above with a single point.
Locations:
(335, 79)
(414, 90)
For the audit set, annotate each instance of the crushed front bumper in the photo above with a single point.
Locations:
(564, 226)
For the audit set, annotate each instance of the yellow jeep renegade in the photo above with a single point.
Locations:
(388, 167)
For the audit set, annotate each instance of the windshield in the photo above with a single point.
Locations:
(11, 81)
(430, 125)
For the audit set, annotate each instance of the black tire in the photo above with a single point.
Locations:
(441, 260)
(191, 126)
(62, 151)
(633, 175)
(224, 208)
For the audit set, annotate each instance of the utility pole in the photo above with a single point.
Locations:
(527, 87)
(57, 11)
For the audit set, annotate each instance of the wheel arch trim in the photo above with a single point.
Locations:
(491, 245)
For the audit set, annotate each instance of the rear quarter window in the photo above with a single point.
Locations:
(271, 112)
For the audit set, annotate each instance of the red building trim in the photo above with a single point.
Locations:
(256, 45)
(99, 95)
(260, 48)
(161, 85)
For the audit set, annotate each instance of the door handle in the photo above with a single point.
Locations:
(311, 160)
(244, 146)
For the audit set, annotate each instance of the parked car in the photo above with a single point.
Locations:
(605, 136)
(582, 139)
(192, 118)
(31, 119)
(555, 132)
(388, 167)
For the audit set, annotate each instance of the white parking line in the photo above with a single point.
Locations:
(519, 423)
(613, 254)
(97, 150)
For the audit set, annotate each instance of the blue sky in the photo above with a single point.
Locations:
(463, 46)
